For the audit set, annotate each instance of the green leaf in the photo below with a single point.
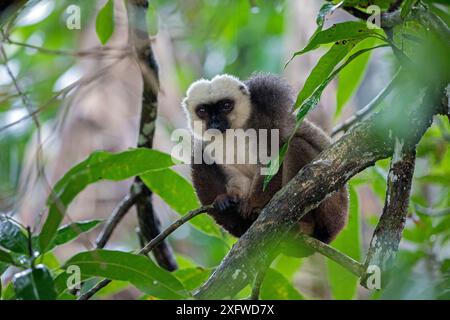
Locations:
(152, 20)
(338, 32)
(12, 236)
(136, 269)
(324, 68)
(180, 195)
(306, 106)
(113, 288)
(275, 164)
(50, 260)
(34, 284)
(184, 262)
(6, 257)
(325, 10)
(350, 77)
(312, 101)
(98, 166)
(287, 265)
(343, 284)
(192, 278)
(276, 287)
(62, 283)
(3, 267)
(71, 231)
(406, 8)
(8, 292)
(104, 24)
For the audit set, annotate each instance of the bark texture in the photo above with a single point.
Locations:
(388, 233)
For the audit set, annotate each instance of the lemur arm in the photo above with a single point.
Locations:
(209, 182)
(257, 197)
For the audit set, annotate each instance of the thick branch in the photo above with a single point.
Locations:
(420, 13)
(371, 140)
(148, 221)
(388, 233)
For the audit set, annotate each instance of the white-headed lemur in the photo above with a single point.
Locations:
(264, 101)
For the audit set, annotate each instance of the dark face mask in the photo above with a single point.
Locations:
(218, 121)
(216, 114)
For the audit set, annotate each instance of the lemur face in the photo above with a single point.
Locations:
(221, 103)
(215, 114)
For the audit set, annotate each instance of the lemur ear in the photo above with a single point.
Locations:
(243, 88)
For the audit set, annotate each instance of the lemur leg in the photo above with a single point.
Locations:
(324, 222)
(258, 198)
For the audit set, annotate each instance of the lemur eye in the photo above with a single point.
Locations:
(201, 111)
(227, 105)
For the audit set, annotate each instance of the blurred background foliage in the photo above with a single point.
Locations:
(205, 38)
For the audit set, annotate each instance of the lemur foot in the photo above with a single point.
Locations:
(247, 210)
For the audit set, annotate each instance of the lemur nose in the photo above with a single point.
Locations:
(217, 125)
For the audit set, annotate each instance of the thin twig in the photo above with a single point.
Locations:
(256, 288)
(432, 212)
(174, 226)
(23, 96)
(257, 283)
(328, 251)
(362, 113)
(64, 92)
(95, 289)
(40, 168)
(119, 212)
(151, 245)
(94, 52)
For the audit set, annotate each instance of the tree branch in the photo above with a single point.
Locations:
(392, 18)
(371, 140)
(140, 40)
(420, 13)
(387, 235)
(119, 212)
(258, 283)
(108, 52)
(430, 212)
(328, 251)
(174, 226)
(360, 114)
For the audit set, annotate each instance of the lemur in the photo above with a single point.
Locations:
(264, 101)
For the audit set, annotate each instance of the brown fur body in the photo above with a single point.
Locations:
(271, 100)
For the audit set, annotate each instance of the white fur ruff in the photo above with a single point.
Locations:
(220, 87)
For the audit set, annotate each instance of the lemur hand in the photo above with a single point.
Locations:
(225, 201)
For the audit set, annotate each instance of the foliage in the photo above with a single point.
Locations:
(239, 44)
